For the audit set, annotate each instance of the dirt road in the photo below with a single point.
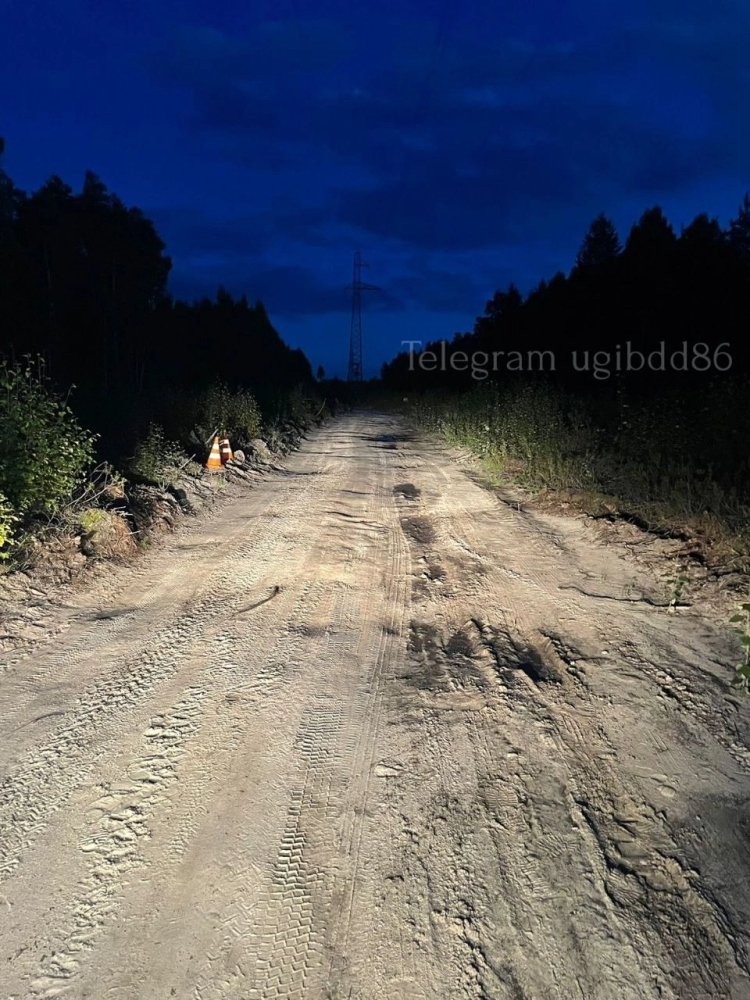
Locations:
(368, 732)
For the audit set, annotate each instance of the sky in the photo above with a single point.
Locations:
(458, 146)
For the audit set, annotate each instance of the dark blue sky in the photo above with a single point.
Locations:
(460, 146)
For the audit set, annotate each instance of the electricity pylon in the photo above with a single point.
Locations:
(355, 339)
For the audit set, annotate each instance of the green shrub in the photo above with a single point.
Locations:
(155, 459)
(44, 452)
(88, 519)
(534, 429)
(233, 412)
(244, 416)
(742, 669)
(302, 405)
(8, 521)
(193, 469)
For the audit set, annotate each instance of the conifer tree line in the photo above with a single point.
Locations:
(83, 283)
(691, 288)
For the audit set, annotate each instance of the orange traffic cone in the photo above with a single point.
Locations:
(226, 450)
(214, 459)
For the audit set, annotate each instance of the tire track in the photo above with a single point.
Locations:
(290, 919)
(46, 775)
(123, 816)
(115, 848)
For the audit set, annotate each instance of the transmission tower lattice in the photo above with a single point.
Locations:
(355, 339)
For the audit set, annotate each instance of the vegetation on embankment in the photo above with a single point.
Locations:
(674, 467)
(52, 485)
(671, 465)
(109, 385)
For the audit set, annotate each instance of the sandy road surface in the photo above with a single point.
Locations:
(460, 753)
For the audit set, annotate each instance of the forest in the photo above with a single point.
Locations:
(101, 367)
(624, 383)
(690, 292)
(83, 284)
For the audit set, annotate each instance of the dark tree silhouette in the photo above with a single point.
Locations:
(83, 281)
(739, 230)
(660, 289)
(651, 240)
(600, 244)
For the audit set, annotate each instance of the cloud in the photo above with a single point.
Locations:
(436, 142)
(198, 56)
(530, 186)
(476, 100)
(287, 291)
(708, 46)
(191, 232)
(439, 291)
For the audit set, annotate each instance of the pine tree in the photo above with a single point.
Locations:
(652, 238)
(739, 230)
(600, 243)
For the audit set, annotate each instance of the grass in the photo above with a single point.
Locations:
(88, 519)
(742, 670)
(671, 468)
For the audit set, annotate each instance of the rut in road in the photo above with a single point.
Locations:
(368, 732)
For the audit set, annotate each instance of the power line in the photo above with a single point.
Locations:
(354, 373)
